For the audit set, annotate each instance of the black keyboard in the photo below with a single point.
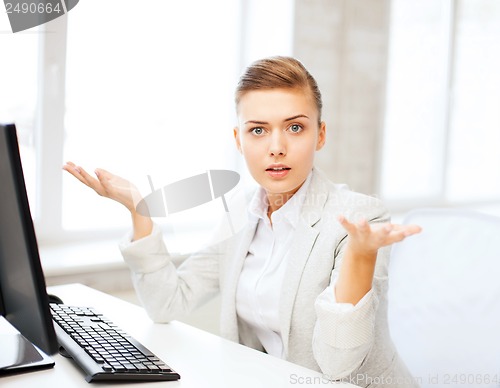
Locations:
(102, 350)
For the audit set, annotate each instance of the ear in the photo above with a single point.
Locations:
(321, 136)
(236, 133)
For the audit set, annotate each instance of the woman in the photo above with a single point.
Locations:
(306, 278)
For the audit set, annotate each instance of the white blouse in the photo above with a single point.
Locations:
(263, 273)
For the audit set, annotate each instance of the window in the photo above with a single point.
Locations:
(145, 95)
(18, 94)
(442, 124)
(474, 160)
(137, 88)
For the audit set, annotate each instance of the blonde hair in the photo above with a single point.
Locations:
(278, 72)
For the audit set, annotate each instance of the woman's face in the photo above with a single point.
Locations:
(278, 134)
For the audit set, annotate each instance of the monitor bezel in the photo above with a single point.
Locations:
(47, 340)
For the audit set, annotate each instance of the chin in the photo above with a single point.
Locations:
(280, 187)
(284, 185)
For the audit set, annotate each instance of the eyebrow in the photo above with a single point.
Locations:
(265, 122)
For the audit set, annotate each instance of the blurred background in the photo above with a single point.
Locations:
(411, 92)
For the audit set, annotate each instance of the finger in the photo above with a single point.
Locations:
(69, 166)
(75, 171)
(349, 227)
(104, 178)
(114, 185)
(103, 174)
(91, 181)
(396, 236)
(110, 180)
(400, 232)
(388, 228)
(381, 229)
(412, 229)
(408, 230)
(363, 226)
(86, 176)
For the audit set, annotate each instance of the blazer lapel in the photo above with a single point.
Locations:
(303, 242)
(229, 322)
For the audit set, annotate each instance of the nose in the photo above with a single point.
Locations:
(277, 144)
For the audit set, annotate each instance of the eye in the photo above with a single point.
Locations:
(257, 131)
(295, 128)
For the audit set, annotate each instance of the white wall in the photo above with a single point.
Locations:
(344, 44)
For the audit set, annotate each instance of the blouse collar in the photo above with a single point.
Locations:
(290, 210)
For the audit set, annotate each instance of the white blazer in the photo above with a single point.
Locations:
(340, 340)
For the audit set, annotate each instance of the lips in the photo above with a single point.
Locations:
(278, 170)
(278, 167)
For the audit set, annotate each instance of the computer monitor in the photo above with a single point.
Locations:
(23, 294)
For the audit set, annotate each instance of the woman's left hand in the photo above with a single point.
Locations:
(360, 255)
(368, 238)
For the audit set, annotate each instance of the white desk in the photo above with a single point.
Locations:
(202, 359)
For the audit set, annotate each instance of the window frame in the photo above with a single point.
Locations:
(440, 199)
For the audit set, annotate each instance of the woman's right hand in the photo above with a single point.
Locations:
(118, 189)
(107, 185)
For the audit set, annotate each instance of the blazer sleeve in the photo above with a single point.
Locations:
(345, 333)
(168, 292)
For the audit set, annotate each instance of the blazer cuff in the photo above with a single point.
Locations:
(145, 255)
(343, 325)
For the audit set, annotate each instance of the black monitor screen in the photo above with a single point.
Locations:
(23, 296)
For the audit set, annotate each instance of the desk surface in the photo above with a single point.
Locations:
(202, 359)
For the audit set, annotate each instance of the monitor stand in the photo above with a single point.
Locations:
(19, 355)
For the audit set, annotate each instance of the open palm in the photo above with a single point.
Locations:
(365, 237)
(107, 185)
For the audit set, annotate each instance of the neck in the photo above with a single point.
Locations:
(276, 201)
